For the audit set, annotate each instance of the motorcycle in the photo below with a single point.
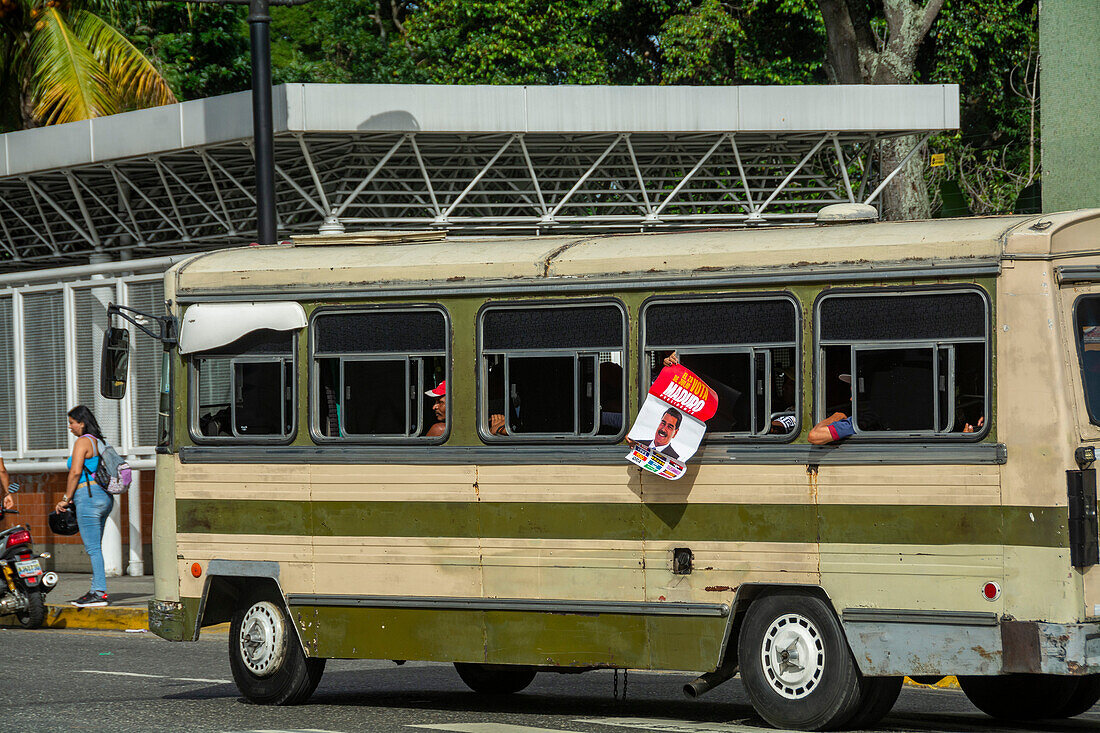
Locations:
(24, 588)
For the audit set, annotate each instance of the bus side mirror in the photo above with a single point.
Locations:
(114, 362)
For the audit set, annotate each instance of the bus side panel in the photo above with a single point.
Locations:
(513, 637)
(1035, 420)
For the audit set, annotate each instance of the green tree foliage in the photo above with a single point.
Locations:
(64, 60)
(343, 41)
(203, 49)
(713, 42)
(988, 47)
(990, 50)
(516, 41)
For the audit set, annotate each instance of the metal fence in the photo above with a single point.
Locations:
(52, 332)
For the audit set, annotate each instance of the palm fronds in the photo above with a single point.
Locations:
(72, 64)
(68, 83)
(135, 80)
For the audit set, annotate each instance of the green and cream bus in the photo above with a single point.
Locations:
(305, 493)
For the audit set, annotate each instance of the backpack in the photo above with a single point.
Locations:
(113, 474)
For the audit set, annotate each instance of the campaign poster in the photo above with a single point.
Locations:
(671, 423)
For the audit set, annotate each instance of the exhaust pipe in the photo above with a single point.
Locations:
(706, 682)
(49, 580)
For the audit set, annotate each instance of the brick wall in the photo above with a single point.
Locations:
(39, 492)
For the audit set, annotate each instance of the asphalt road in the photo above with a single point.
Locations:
(54, 680)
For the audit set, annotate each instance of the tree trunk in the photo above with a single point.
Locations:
(905, 197)
(857, 56)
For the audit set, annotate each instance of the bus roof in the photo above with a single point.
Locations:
(784, 251)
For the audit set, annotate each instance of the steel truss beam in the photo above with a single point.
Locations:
(466, 183)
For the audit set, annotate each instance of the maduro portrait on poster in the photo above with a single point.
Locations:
(671, 423)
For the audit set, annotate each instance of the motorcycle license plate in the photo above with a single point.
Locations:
(28, 568)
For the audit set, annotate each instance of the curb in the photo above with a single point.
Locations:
(105, 619)
(947, 683)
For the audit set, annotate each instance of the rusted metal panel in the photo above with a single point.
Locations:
(884, 648)
(1020, 641)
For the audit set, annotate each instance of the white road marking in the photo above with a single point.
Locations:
(485, 728)
(678, 726)
(156, 676)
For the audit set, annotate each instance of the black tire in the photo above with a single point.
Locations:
(495, 679)
(35, 614)
(268, 662)
(879, 696)
(1083, 698)
(1020, 696)
(819, 688)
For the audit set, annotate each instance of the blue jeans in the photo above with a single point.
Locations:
(91, 516)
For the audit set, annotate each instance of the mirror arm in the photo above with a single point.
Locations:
(167, 324)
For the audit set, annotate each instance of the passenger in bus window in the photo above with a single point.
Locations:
(611, 398)
(835, 426)
(968, 428)
(784, 421)
(439, 408)
(495, 391)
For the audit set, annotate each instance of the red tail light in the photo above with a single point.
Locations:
(22, 537)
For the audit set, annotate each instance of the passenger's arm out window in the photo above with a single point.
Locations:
(905, 363)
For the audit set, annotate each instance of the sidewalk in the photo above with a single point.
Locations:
(129, 607)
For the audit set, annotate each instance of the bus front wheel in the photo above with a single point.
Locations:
(795, 663)
(495, 679)
(1023, 696)
(269, 665)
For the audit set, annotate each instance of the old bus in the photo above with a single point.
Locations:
(311, 493)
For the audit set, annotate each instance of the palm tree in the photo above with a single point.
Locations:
(60, 61)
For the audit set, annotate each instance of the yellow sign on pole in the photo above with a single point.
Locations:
(938, 159)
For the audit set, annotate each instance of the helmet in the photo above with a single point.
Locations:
(63, 523)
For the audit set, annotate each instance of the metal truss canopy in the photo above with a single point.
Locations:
(467, 159)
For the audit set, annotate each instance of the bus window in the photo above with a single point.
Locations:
(245, 390)
(914, 363)
(745, 348)
(552, 371)
(1087, 319)
(371, 369)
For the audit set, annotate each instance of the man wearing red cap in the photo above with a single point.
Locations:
(439, 408)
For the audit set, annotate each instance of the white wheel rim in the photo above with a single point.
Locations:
(793, 656)
(263, 639)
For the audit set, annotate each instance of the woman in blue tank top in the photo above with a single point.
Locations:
(93, 504)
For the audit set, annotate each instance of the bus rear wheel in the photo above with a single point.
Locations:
(796, 665)
(495, 679)
(269, 665)
(1022, 696)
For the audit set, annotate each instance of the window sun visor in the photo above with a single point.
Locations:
(210, 325)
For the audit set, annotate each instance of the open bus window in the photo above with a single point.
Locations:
(744, 348)
(905, 363)
(371, 369)
(1087, 325)
(553, 371)
(246, 390)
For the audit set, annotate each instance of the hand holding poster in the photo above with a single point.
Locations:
(670, 424)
